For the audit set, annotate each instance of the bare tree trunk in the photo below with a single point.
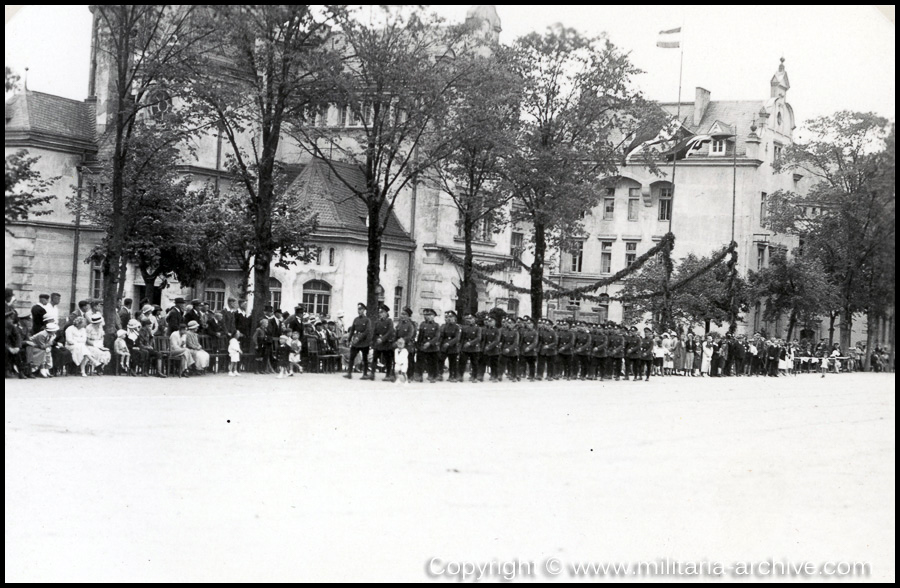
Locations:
(846, 328)
(373, 267)
(872, 319)
(792, 322)
(537, 271)
(832, 316)
(464, 296)
(261, 293)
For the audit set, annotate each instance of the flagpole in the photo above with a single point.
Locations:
(733, 181)
(677, 118)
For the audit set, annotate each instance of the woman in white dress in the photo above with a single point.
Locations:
(192, 342)
(100, 355)
(178, 348)
(668, 345)
(706, 359)
(76, 343)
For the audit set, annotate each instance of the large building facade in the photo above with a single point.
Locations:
(735, 166)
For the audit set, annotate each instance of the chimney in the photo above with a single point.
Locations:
(701, 101)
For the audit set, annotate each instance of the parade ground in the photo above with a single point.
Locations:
(319, 478)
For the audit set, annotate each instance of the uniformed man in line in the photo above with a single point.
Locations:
(384, 339)
(615, 349)
(599, 344)
(428, 347)
(509, 350)
(450, 337)
(406, 330)
(633, 354)
(547, 350)
(583, 350)
(529, 340)
(565, 366)
(647, 353)
(470, 351)
(360, 334)
(490, 350)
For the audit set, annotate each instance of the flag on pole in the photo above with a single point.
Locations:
(670, 39)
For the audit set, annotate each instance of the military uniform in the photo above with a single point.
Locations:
(547, 351)
(646, 355)
(490, 353)
(616, 351)
(509, 353)
(632, 355)
(450, 337)
(599, 344)
(384, 337)
(528, 347)
(565, 341)
(470, 351)
(582, 350)
(428, 347)
(360, 333)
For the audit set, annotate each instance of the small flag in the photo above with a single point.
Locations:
(670, 39)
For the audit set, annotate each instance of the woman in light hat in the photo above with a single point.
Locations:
(100, 355)
(76, 343)
(39, 350)
(192, 342)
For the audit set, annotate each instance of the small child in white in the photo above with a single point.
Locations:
(295, 358)
(234, 354)
(122, 351)
(401, 360)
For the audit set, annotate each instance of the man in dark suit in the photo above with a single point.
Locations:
(194, 313)
(37, 313)
(175, 316)
(228, 317)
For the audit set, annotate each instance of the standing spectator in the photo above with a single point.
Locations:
(125, 313)
(37, 313)
(706, 354)
(13, 358)
(175, 317)
(339, 324)
(228, 316)
(690, 348)
(242, 321)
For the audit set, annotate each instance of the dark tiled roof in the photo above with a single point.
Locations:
(332, 200)
(728, 112)
(52, 115)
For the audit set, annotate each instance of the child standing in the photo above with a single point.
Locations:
(401, 360)
(295, 357)
(122, 351)
(234, 354)
(284, 353)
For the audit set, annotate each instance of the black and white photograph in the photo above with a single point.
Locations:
(361, 293)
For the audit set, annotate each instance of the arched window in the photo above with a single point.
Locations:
(317, 297)
(159, 103)
(275, 293)
(215, 294)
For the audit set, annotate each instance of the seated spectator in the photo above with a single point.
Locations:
(76, 343)
(96, 349)
(178, 350)
(14, 364)
(200, 358)
(39, 350)
(123, 354)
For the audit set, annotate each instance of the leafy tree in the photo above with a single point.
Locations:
(168, 233)
(579, 112)
(150, 48)
(702, 300)
(399, 67)
(795, 286)
(25, 190)
(477, 136)
(270, 67)
(847, 218)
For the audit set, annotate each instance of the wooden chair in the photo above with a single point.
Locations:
(217, 353)
(162, 348)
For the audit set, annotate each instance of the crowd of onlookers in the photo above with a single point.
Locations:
(190, 339)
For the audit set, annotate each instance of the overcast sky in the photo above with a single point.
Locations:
(837, 58)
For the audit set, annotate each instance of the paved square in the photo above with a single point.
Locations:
(318, 478)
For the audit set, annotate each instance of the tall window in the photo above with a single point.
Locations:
(777, 149)
(634, 202)
(275, 293)
(577, 256)
(760, 257)
(331, 256)
(665, 204)
(215, 294)
(398, 300)
(609, 204)
(605, 257)
(516, 245)
(630, 252)
(763, 209)
(318, 256)
(482, 229)
(384, 265)
(512, 306)
(96, 281)
(342, 115)
(317, 297)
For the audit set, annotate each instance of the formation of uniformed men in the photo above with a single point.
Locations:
(518, 348)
